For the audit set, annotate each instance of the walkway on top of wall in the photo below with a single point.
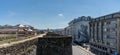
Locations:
(21, 41)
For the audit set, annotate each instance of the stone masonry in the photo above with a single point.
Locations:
(24, 48)
(46, 45)
(53, 44)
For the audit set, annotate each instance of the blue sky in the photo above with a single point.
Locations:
(44, 14)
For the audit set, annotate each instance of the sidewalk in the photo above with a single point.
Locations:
(78, 50)
(20, 41)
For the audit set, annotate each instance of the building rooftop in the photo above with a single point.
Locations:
(82, 18)
(108, 16)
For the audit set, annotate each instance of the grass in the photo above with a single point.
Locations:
(12, 38)
(9, 38)
(8, 41)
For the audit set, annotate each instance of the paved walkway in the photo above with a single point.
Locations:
(78, 50)
(21, 41)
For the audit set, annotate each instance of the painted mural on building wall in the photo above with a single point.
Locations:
(83, 34)
(79, 29)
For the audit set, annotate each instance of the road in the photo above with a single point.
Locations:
(78, 50)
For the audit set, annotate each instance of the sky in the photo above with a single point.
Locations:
(53, 14)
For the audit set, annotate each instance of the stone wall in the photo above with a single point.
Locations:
(40, 46)
(24, 48)
(54, 45)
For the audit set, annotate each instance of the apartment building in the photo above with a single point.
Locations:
(105, 34)
(79, 29)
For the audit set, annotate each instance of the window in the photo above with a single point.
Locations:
(108, 36)
(108, 22)
(108, 29)
(105, 29)
(105, 23)
(99, 23)
(112, 43)
(108, 43)
(113, 22)
(105, 36)
(112, 29)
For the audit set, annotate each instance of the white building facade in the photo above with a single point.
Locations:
(79, 29)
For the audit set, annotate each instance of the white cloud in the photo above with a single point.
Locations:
(60, 14)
